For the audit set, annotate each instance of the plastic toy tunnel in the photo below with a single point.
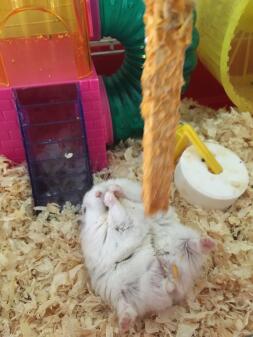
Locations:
(123, 20)
(226, 46)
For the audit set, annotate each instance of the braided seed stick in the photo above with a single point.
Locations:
(168, 31)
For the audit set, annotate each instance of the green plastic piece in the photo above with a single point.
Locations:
(123, 20)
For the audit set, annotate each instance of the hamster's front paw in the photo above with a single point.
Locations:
(99, 194)
(109, 199)
(117, 191)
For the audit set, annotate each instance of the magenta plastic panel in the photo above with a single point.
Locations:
(96, 128)
(94, 19)
(11, 144)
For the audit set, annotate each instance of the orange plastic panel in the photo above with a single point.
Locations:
(43, 41)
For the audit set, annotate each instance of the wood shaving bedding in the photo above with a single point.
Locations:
(44, 288)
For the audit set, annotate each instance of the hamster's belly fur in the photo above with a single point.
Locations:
(139, 280)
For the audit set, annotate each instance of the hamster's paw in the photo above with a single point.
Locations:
(207, 245)
(117, 191)
(169, 286)
(99, 194)
(126, 322)
(109, 199)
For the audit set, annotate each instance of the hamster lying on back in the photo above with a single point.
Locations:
(132, 259)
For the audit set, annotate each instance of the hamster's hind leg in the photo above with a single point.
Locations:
(126, 314)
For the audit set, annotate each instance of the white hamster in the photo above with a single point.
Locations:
(131, 258)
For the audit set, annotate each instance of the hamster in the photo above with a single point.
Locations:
(131, 259)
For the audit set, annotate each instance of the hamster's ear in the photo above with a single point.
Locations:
(207, 245)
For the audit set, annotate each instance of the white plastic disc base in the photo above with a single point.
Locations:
(197, 185)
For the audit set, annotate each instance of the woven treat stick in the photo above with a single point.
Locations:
(168, 31)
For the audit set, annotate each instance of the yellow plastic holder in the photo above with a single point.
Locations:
(185, 135)
(226, 46)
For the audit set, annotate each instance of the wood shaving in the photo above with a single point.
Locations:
(175, 272)
(44, 289)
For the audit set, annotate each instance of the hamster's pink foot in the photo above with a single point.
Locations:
(109, 199)
(207, 245)
(169, 286)
(117, 191)
(126, 322)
